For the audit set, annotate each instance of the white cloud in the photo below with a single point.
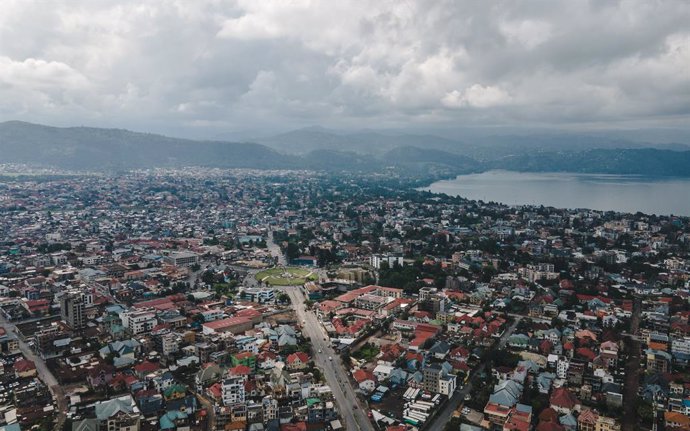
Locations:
(476, 96)
(37, 74)
(528, 33)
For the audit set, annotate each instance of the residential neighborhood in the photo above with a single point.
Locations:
(204, 299)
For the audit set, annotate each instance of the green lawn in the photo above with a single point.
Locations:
(285, 276)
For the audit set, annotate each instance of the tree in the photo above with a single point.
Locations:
(292, 251)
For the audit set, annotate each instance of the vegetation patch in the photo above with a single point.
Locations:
(285, 276)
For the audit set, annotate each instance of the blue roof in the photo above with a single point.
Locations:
(167, 421)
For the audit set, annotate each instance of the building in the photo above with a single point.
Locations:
(181, 258)
(391, 259)
(437, 380)
(118, 414)
(235, 325)
(138, 322)
(261, 295)
(232, 390)
(370, 302)
(72, 309)
(432, 301)
(168, 343)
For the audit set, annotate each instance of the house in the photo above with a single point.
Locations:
(118, 414)
(440, 349)
(24, 368)
(297, 361)
(676, 421)
(563, 401)
(382, 372)
(365, 379)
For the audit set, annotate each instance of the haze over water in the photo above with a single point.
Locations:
(564, 190)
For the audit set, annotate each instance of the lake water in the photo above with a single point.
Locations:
(562, 190)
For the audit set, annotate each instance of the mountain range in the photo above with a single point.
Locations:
(86, 148)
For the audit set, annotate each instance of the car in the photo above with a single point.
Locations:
(468, 397)
(330, 358)
(466, 411)
(320, 351)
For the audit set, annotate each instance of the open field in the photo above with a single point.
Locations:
(285, 276)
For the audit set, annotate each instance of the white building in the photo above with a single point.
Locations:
(232, 390)
(182, 258)
(447, 384)
(260, 295)
(138, 322)
(392, 259)
(562, 367)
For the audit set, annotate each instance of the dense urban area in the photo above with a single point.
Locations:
(209, 299)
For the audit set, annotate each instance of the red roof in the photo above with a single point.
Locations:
(226, 323)
(303, 357)
(362, 375)
(562, 397)
(586, 353)
(24, 365)
(299, 426)
(240, 370)
(146, 367)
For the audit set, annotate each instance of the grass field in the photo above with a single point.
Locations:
(285, 276)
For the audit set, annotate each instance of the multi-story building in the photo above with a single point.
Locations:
(391, 259)
(168, 343)
(658, 360)
(370, 302)
(269, 406)
(437, 380)
(137, 322)
(260, 295)
(72, 306)
(232, 390)
(182, 258)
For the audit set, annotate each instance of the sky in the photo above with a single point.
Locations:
(207, 68)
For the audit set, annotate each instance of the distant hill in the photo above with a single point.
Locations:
(484, 148)
(642, 161)
(303, 141)
(93, 148)
(85, 148)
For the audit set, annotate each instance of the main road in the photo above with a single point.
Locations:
(325, 358)
(328, 361)
(442, 418)
(43, 372)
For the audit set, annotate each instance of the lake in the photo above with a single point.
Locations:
(663, 196)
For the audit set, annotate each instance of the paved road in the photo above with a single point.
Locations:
(632, 370)
(210, 410)
(275, 249)
(43, 373)
(333, 370)
(442, 418)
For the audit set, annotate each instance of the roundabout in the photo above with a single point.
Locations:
(285, 276)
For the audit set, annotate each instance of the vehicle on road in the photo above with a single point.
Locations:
(330, 358)
(320, 351)
(466, 411)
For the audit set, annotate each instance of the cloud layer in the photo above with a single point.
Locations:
(201, 67)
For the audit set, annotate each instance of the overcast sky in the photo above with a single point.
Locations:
(201, 68)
